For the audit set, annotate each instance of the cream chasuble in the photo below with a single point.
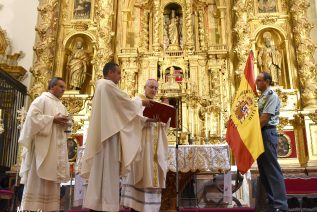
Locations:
(113, 140)
(141, 189)
(44, 155)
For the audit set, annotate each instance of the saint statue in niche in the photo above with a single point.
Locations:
(173, 33)
(270, 58)
(77, 65)
(82, 9)
(267, 6)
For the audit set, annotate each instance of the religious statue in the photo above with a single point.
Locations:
(82, 9)
(270, 58)
(267, 6)
(173, 32)
(77, 65)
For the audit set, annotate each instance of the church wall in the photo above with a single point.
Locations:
(18, 19)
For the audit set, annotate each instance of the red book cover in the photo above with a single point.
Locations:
(164, 111)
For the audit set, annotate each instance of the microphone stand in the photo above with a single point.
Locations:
(176, 158)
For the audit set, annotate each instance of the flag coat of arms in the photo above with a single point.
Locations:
(243, 128)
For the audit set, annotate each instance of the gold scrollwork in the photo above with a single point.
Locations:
(313, 116)
(283, 121)
(73, 104)
(298, 121)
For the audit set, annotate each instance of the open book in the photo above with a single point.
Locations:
(164, 111)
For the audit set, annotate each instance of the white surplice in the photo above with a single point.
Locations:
(113, 139)
(44, 155)
(141, 188)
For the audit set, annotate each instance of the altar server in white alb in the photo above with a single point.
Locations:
(113, 139)
(44, 155)
(142, 187)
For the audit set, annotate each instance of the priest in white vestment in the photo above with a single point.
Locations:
(113, 139)
(44, 156)
(142, 187)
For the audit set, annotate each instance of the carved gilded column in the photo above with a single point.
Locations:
(104, 51)
(299, 127)
(156, 26)
(124, 27)
(189, 26)
(144, 41)
(305, 49)
(45, 46)
(129, 69)
(223, 23)
(201, 30)
(242, 33)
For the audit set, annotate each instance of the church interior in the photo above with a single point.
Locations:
(197, 51)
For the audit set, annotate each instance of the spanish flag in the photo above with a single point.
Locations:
(243, 129)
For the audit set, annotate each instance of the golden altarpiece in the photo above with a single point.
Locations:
(196, 49)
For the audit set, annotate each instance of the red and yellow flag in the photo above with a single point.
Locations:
(243, 130)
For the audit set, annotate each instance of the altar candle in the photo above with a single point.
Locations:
(211, 125)
(206, 127)
(220, 123)
(192, 119)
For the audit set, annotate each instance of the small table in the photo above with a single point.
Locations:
(192, 159)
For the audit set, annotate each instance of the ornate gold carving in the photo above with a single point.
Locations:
(9, 62)
(144, 36)
(44, 46)
(73, 104)
(201, 30)
(156, 25)
(298, 121)
(41, 75)
(129, 69)
(242, 9)
(188, 23)
(283, 121)
(81, 26)
(77, 125)
(305, 49)
(283, 97)
(313, 116)
(284, 5)
(104, 51)
(269, 19)
(4, 42)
